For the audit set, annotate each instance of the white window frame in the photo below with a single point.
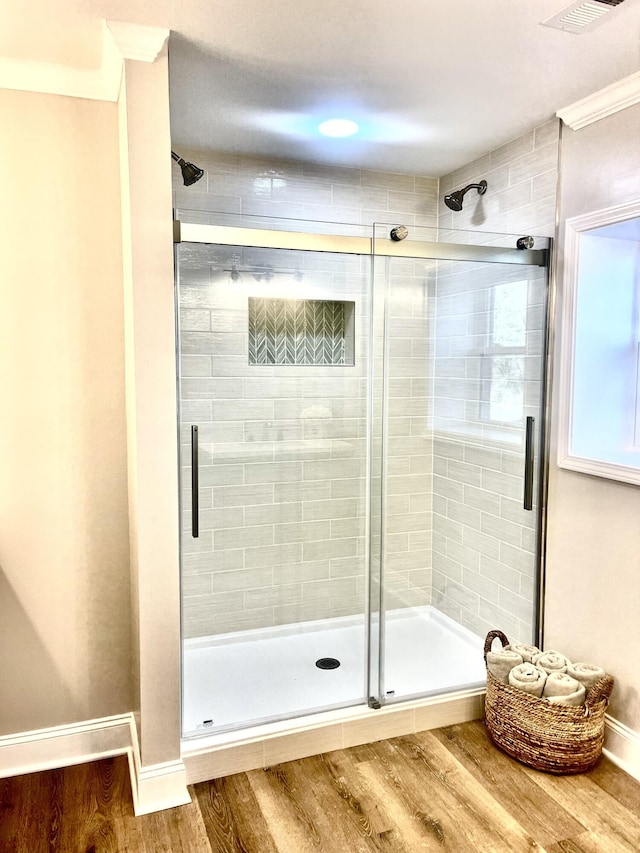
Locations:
(574, 228)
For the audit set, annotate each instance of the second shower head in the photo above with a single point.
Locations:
(454, 199)
(190, 172)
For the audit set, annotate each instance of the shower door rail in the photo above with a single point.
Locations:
(259, 238)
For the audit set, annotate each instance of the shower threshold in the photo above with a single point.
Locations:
(267, 677)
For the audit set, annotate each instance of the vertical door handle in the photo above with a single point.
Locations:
(528, 464)
(195, 500)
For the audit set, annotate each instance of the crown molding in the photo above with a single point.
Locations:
(138, 42)
(120, 41)
(625, 93)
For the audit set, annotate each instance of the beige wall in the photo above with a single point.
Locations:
(593, 555)
(65, 634)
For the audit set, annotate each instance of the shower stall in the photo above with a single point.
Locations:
(361, 433)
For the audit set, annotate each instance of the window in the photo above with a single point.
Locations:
(503, 364)
(600, 381)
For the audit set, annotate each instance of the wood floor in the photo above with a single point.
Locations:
(445, 790)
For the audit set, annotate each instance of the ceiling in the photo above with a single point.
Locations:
(433, 85)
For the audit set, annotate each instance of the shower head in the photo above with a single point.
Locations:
(190, 173)
(454, 199)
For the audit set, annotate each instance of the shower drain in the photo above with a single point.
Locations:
(327, 663)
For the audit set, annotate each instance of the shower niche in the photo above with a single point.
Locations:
(300, 331)
(360, 466)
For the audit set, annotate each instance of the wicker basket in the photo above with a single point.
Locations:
(555, 738)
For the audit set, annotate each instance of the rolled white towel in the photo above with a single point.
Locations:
(526, 652)
(527, 677)
(586, 673)
(562, 689)
(575, 699)
(552, 661)
(501, 663)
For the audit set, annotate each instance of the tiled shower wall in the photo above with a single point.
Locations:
(482, 546)
(283, 448)
(483, 541)
(254, 186)
(408, 445)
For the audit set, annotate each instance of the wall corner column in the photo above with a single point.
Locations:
(150, 363)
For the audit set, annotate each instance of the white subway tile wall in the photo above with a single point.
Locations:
(282, 448)
(484, 542)
(521, 192)
(409, 451)
(257, 186)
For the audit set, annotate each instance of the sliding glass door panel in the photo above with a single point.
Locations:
(274, 379)
(463, 392)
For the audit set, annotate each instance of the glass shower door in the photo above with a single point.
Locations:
(359, 466)
(274, 353)
(461, 414)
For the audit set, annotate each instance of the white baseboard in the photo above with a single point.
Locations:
(622, 746)
(154, 787)
(61, 746)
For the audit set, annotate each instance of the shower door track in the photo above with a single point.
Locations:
(263, 745)
(259, 238)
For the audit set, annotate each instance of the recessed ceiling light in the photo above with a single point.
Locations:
(338, 127)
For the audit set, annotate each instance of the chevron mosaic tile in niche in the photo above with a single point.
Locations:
(300, 331)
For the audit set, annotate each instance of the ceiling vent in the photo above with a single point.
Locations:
(582, 16)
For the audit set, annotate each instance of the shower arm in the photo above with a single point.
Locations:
(481, 187)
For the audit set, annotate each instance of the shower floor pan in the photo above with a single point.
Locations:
(243, 678)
